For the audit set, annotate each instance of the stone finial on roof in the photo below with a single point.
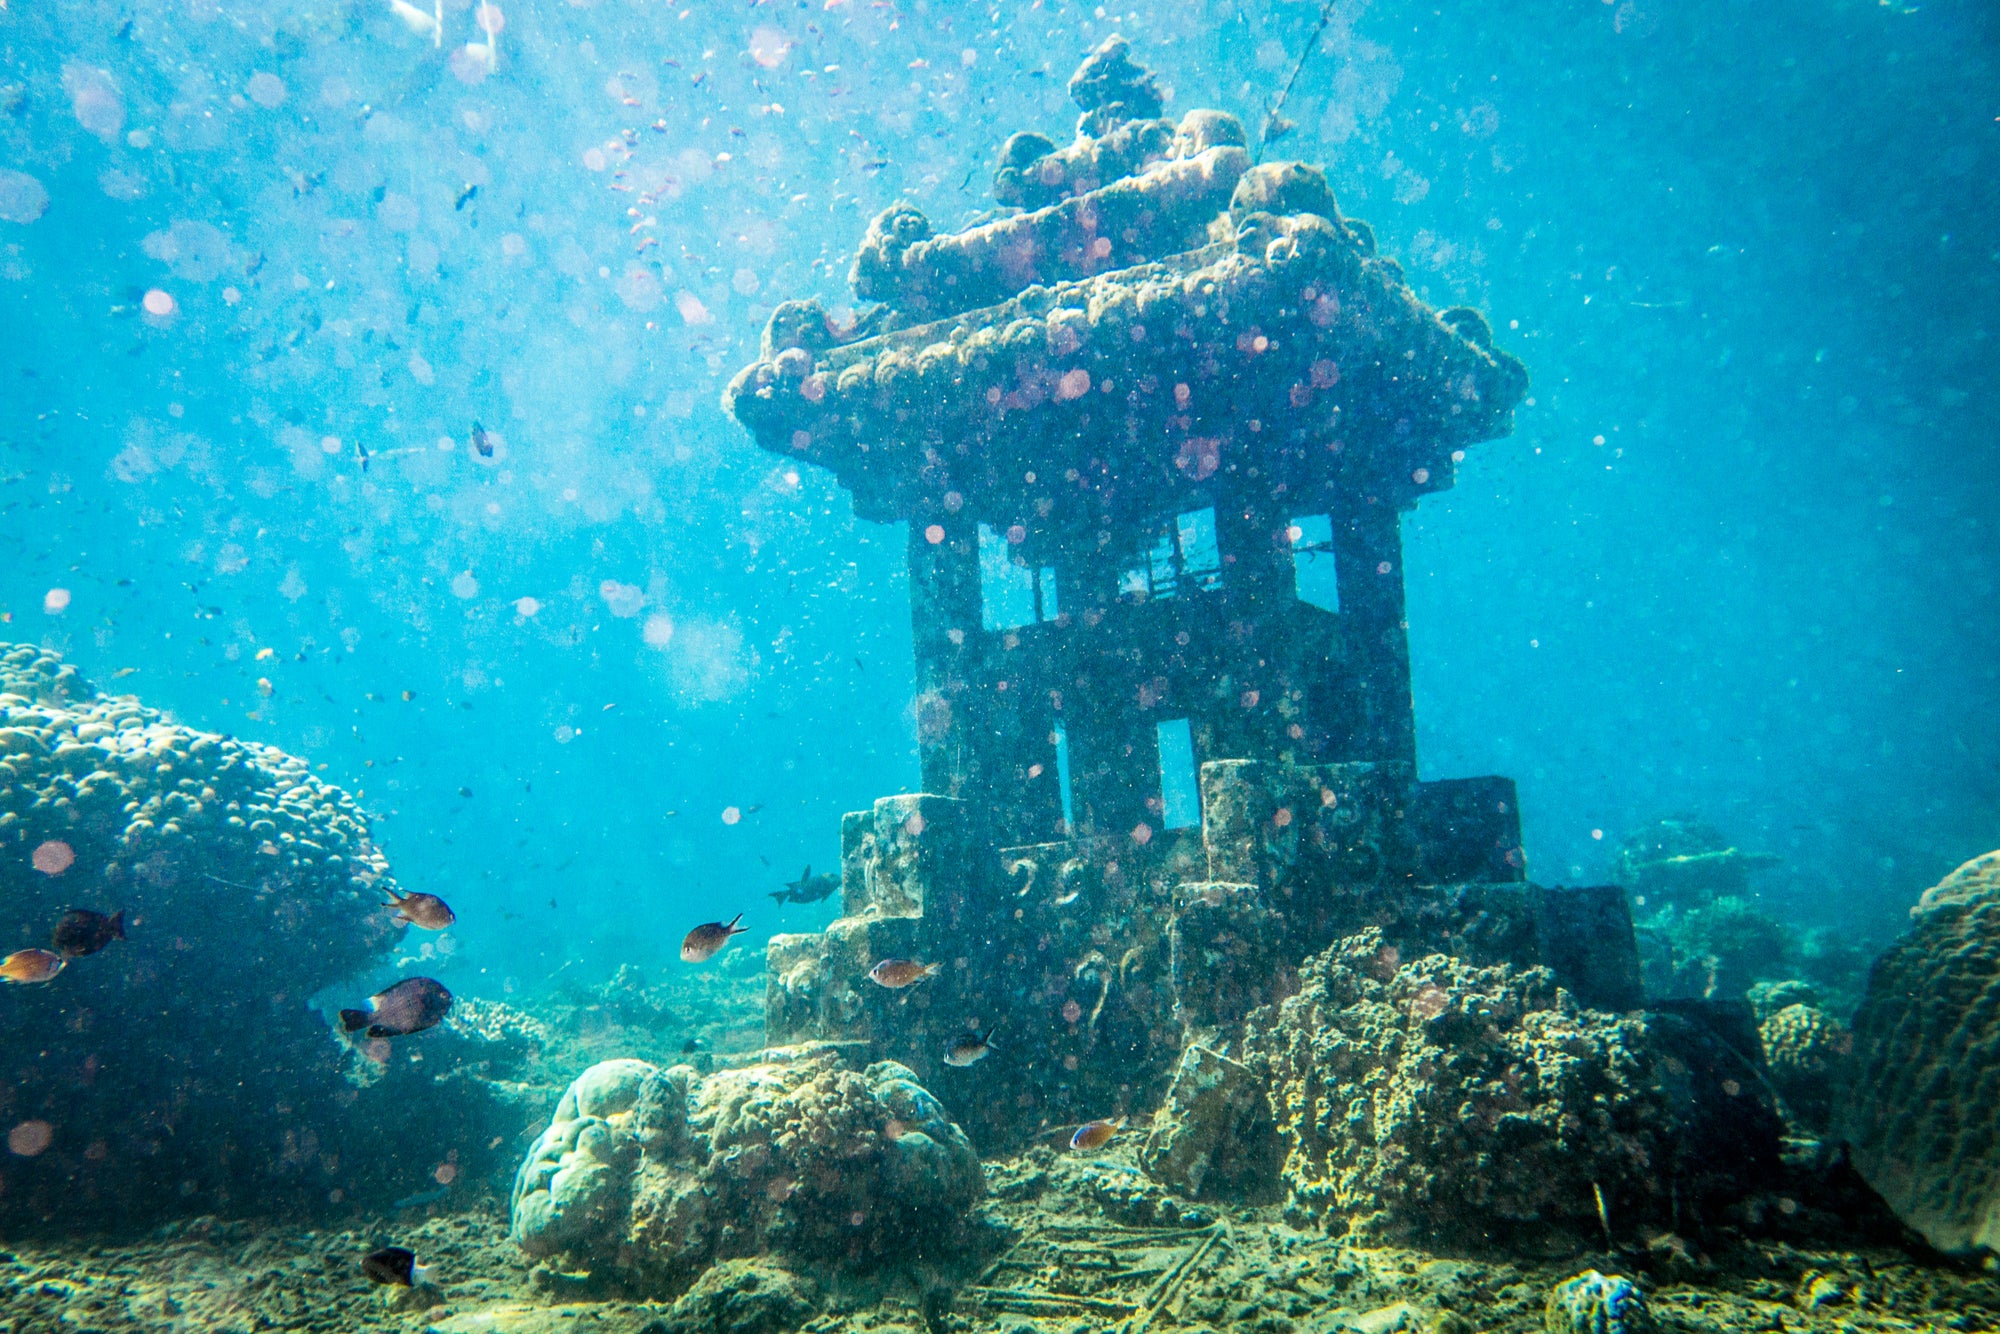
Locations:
(1111, 88)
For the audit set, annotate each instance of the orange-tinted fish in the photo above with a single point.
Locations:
(31, 966)
(901, 972)
(1095, 1134)
(703, 942)
(425, 910)
(970, 1048)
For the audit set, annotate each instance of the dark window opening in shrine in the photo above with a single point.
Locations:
(1061, 739)
(1184, 556)
(1180, 780)
(1008, 589)
(1312, 561)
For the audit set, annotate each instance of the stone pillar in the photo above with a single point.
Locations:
(1368, 561)
(945, 598)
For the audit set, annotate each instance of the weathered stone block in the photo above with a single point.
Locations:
(1584, 934)
(1214, 1137)
(1467, 829)
(1280, 825)
(1228, 954)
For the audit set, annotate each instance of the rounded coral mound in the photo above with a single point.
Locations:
(1807, 1051)
(652, 1175)
(1918, 1110)
(181, 1068)
(1430, 1099)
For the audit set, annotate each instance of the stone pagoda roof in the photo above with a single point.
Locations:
(1166, 316)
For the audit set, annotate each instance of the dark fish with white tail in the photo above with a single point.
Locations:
(81, 932)
(411, 1006)
(392, 1266)
(704, 941)
(895, 973)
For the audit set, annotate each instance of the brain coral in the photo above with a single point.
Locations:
(181, 1069)
(654, 1175)
(1919, 1109)
(1431, 1099)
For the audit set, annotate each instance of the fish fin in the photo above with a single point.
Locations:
(353, 1019)
(778, 894)
(735, 929)
(118, 924)
(987, 1041)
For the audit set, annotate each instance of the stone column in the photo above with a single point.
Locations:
(1368, 561)
(944, 597)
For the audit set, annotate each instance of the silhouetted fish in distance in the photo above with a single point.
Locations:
(82, 932)
(411, 1006)
(808, 888)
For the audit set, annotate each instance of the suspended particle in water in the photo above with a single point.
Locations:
(55, 601)
(30, 1138)
(160, 303)
(54, 857)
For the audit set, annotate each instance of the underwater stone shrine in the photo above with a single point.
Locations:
(1130, 422)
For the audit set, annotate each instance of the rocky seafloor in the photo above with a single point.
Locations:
(1055, 1260)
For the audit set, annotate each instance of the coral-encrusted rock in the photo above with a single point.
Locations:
(1594, 1303)
(1808, 1053)
(181, 1068)
(1919, 1109)
(654, 1175)
(744, 1297)
(1431, 1099)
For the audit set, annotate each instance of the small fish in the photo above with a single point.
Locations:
(411, 1006)
(1277, 126)
(808, 888)
(1095, 1134)
(691, 1046)
(82, 931)
(465, 196)
(895, 973)
(31, 966)
(425, 910)
(391, 1265)
(422, 1198)
(480, 442)
(970, 1049)
(361, 455)
(703, 942)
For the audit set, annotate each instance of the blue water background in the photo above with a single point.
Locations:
(1736, 560)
